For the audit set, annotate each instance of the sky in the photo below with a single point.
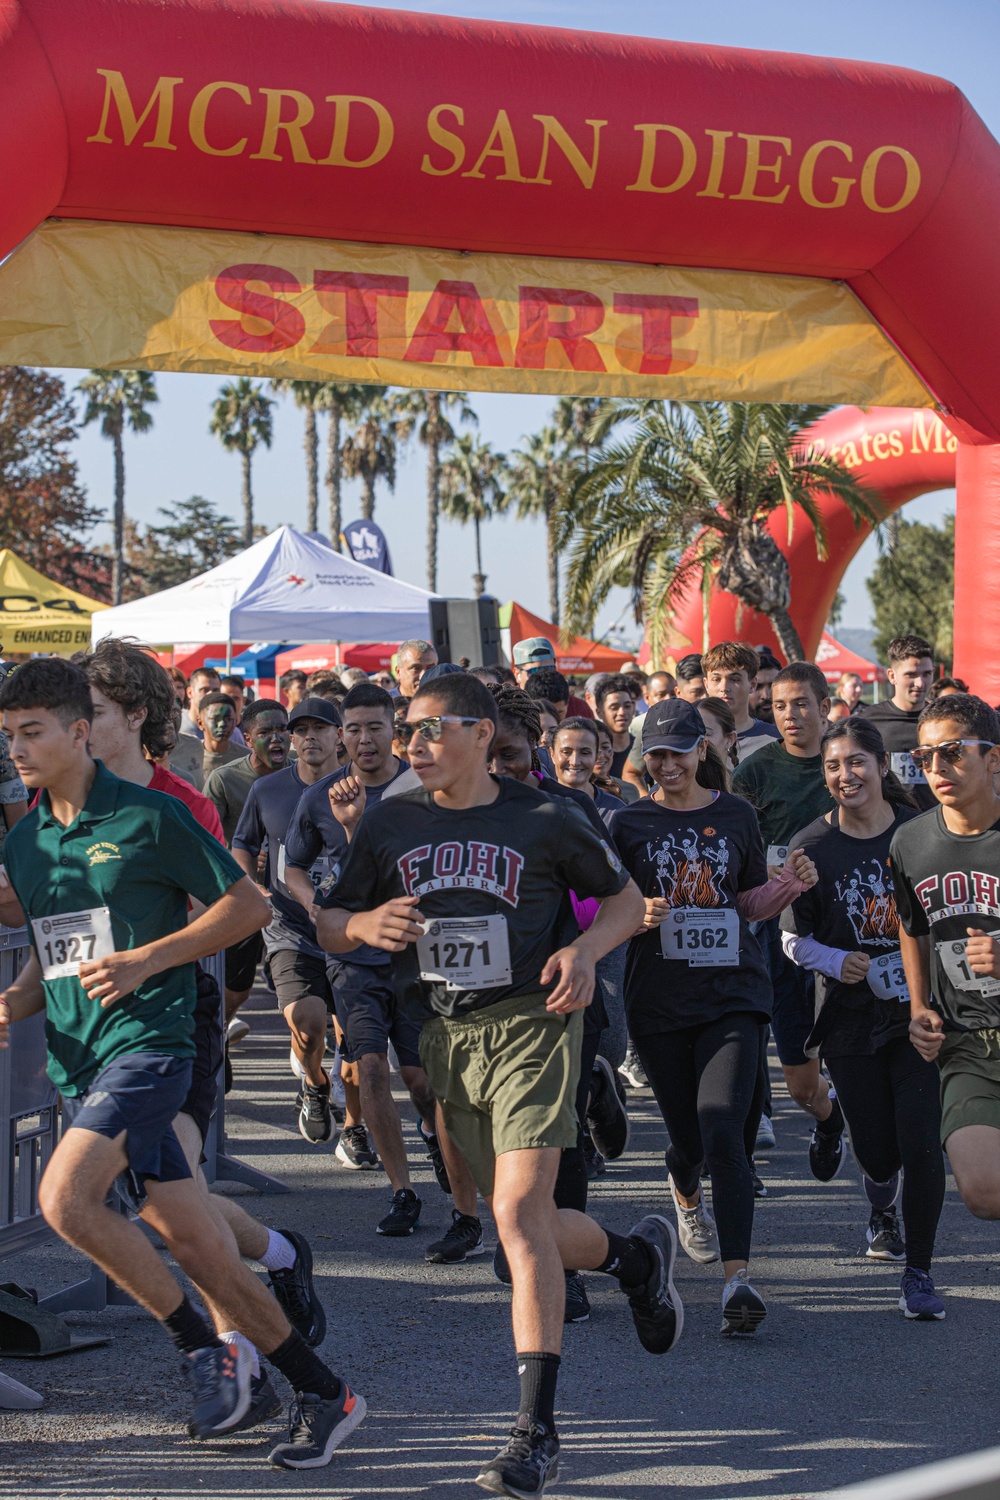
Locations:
(958, 40)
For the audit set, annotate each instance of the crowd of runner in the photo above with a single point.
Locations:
(527, 900)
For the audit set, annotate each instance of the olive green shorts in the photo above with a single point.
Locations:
(970, 1080)
(506, 1077)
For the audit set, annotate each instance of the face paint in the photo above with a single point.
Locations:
(271, 741)
(221, 721)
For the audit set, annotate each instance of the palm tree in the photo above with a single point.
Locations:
(369, 452)
(342, 402)
(241, 420)
(574, 419)
(431, 408)
(309, 395)
(685, 492)
(543, 475)
(472, 489)
(118, 398)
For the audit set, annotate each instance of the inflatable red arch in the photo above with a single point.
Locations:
(284, 187)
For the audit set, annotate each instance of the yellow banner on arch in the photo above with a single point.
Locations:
(112, 296)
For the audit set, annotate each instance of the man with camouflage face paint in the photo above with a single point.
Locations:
(265, 729)
(216, 714)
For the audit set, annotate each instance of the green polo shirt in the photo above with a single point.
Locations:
(141, 854)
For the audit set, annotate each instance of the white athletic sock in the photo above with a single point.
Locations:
(238, 1338)
(280, 1253)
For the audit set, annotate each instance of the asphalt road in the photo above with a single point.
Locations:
(835, 1388)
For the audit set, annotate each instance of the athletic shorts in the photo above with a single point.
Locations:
(298, 976)
(507, 1078)
(242, 960)
(139, 1094)
(210, 1050)
(371, 1014)
(970, 1080)
(793, 1013)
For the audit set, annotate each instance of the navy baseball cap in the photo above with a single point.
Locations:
(672, 725)
(443, 669)
(315, 708)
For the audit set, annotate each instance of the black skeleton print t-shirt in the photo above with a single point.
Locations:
(852, 907)
(703, 961)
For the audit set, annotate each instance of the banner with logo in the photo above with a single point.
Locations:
(39, 615)
(367, 544)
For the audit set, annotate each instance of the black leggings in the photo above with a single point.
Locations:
(707, 1080)
(892, 1104)
(571, 1180)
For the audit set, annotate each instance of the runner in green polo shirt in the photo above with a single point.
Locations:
(103, 870)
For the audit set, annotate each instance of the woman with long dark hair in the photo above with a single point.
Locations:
(846, 929)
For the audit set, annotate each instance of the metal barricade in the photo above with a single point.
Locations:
(974, 1476)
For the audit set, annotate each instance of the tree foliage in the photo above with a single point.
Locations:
(194, 538)
(912, 587)
(118, 399)
(241, 420)
(44, 514)
(472, 489)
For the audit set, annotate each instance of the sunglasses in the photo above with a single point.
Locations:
(950, 752)
(429, 729)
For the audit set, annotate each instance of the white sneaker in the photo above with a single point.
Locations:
(295, 1065)
(743, 1308)
(765, 1135)
(236, 1031)
(696, 1230)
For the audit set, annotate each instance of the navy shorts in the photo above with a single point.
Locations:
(370, 1013)
(241, 962)
(794, 1010)
(140, 1094)
(209, 1041)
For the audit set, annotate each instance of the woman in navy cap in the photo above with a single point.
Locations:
(697, 993)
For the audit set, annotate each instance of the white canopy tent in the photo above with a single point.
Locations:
(285, 588)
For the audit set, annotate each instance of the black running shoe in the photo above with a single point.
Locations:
(296, 1292)
(404, 1215)
(528, 1464)
(577, 1303)
(315, 1114)
(826, 1154)
(884, 1239)
(501, 1269)
(464, 1238)
(264, 1404)
(759, 1190)
(355, 1150)
(316, 1428)
(607, 1118)
(433, 1148)
(743, 1308)
(220, 1378)
(592, 1157)
(657, 1310)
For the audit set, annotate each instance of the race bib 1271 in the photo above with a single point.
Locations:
(465, 953)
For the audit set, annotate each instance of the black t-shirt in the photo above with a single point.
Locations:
(853, 907)
(619, 757)
(946, 883)
(898, 728)
(506, 869)
(697, 860)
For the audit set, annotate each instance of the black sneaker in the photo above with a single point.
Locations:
(315, 1114)
(501, 1269)
(884, 1239)
(404, 1215)
(356, 1151)
(316, 1428)
(759, 1190)
(296, 1293)
(220, 1378)
(826, 1154)
(592, 1157)
(264, 1404)
(577, 1303)
(528, 1464)
(607, 1118)
(657, 1310)
(464, 1238)
(743, 1308)
(633, 1071)
(433, 1148)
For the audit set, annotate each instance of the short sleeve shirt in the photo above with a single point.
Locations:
(788, 791)
(898, 728)
(264, 825)
(141, 854)
(517, 858)
(700, 858)
(229, 787)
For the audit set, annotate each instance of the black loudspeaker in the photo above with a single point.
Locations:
(466, 628)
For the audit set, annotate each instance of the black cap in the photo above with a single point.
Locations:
(315, 708)
(443, 669)
(673, 724)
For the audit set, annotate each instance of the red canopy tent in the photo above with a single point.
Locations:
(578, 657)
(834, 660)
(371, 657)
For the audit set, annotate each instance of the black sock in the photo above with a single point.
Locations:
(303, 1369)
(834, 1122)
(539, 1373)
(630, 1260)
(189, 1331)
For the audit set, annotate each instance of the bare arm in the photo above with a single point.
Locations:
(13, 812)
(391, 926)
(301, 887)
(239, 912)
(635, 778)
(25, 997)
(11, 910)
(926, 1025)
